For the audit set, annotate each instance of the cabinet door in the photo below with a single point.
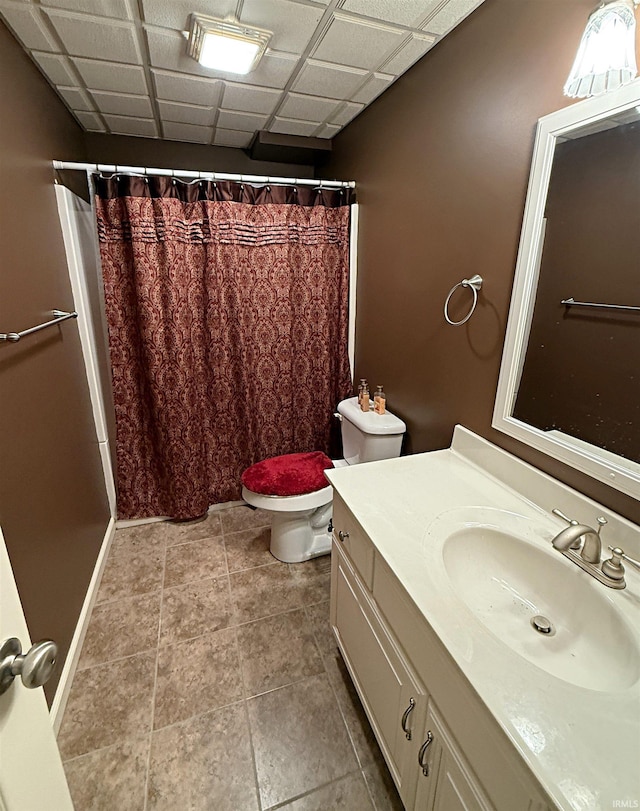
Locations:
(448, 784)
(392, 697)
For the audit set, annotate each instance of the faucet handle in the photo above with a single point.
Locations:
(617, 553)
(560, 514)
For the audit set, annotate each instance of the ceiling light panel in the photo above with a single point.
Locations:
(226, 46)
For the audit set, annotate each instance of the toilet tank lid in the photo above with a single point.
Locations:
(368, 421)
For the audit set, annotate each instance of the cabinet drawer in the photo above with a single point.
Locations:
(352, 539)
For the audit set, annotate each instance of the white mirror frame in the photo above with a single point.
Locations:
(616, 471)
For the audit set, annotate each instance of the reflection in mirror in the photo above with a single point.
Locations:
(581, 373)
(570, 377)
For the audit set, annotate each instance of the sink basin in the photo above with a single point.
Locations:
(500, 567)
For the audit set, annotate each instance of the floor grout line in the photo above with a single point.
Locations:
(298, 583)
(245, 703)
(155, 685)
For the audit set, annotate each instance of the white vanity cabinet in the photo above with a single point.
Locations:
(409, 686)
(446, 782)
(393, 697)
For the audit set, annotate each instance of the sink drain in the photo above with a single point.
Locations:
(542, 625)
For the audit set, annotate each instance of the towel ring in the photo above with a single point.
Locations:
(474, 284)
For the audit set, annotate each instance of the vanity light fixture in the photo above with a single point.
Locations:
(226, 45)
(606, 58)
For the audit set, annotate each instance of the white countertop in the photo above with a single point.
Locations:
(583, 745)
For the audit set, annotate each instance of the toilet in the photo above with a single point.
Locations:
(294, 490)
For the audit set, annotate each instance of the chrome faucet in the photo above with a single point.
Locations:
(591, 550)
(583, 546)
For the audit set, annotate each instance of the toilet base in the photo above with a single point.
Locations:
(300, 536)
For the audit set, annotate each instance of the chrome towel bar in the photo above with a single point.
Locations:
(571, 302)
(58, 317)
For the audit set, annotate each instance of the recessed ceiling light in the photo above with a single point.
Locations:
(226, 45)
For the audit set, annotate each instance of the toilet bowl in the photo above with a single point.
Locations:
(301, 523)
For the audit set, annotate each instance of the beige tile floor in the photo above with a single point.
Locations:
(209, 679)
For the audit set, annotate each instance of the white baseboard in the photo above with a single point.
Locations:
(68, 671)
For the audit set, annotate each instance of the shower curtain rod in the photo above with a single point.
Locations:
(197, 175)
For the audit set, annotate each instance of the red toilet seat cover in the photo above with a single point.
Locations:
(293, 474)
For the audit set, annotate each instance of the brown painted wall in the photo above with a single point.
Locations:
(53, 508)
(178, 155)
(442, 163)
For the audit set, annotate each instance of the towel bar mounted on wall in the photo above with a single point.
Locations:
(571, 302)
(474, 284)
(58, 317)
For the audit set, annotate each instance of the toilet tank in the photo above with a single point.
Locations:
(367, 436)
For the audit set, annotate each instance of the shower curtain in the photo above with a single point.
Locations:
(227, 311)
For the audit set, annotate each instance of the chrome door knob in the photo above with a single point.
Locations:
(34, 667)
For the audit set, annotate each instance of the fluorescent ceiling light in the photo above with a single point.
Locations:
(226, 45)
(606, 58)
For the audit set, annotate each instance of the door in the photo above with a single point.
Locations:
(390, 693)
(31, 773)
(446, 782)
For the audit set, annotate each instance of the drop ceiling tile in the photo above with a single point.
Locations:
(123, 125)
(289, 126)
(187, 89)
(328, 131)
(377, 84)
(175, 14)
(76, 99)
(245, 122)
(346, 113)
(453, 13)
(114, 41)
(99, 75)
(313, 108)
(407, 12)
(168, 49)
(273, 71)
(357, 43)
(122, 104)
(186, 113)
(29, 26)
(250, 99)
(57, 68)
(292, 24)
(104, 8)
(411, 51)
(327, 80)
(239, 140)
(187, 132)
(90, 121)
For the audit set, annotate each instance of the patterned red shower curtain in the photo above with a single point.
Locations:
(227, 308)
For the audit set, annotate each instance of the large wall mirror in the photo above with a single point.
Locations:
(570, 377)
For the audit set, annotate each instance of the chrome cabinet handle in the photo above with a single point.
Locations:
(422, 753)
(34, 667)
(405, 718)
(343, 536)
